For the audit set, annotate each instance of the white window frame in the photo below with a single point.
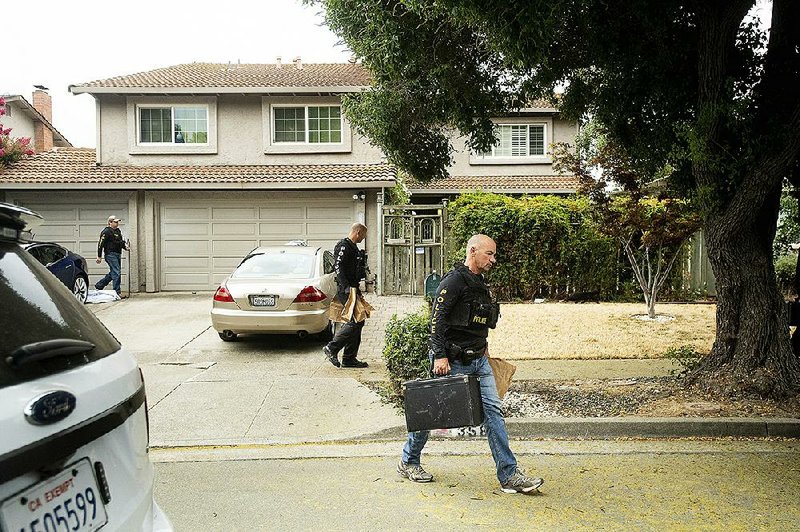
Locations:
(135, 104)
(171, 108)
(546, 125)
(306, 120)
(269, 103)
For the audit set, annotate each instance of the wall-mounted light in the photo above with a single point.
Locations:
(359, 196)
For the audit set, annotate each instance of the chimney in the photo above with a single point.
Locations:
(278, 62)
(298, 63)
(42, 135)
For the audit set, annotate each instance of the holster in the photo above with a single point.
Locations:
(465, 356)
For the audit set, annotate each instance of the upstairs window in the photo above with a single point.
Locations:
(307, 124)
(177, 124)
(518, 140)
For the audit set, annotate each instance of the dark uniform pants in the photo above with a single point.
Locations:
(348, 337)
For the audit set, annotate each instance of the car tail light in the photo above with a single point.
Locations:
(310, 294)
(223, 295)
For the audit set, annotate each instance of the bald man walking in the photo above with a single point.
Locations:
(462, 314)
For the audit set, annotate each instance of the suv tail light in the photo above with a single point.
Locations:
(223, 295)
(310, 294)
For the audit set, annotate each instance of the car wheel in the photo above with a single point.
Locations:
(80, 288)
(228, 336)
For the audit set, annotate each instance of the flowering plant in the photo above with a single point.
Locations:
(11, 149)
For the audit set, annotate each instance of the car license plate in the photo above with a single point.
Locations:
(263, 301)
(68, 501)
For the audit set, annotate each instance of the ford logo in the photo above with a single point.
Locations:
(50, 407)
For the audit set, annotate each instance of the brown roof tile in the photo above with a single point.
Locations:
(216, 75)
(519, 184)
(77, 166)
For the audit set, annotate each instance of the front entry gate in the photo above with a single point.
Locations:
(413, 246)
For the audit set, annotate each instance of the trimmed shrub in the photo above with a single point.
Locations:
(545, 245)
(406, 349)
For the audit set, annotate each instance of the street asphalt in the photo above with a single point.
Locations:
(264, 434)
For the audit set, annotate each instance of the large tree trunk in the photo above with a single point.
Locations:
(752, 353)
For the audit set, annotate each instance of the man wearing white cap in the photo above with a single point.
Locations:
(111, 245)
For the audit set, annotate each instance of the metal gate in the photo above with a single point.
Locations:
(413, 246)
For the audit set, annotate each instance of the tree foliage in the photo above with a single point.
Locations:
(650, 225)
(698, 84)
(546, 246)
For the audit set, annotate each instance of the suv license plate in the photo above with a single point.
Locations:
(263, 301)
(68, 501)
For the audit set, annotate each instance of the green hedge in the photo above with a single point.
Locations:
(546, 245)
(406, 349)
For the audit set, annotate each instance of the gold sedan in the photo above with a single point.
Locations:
(276, 290)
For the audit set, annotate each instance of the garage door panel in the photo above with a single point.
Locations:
(232, 229)
(186, 281)
(91, 232)
(53, 233)
(281, 213)
(277, 241)
(286, 229)
(184, 213)
(55, 214)
(172, 263)
(232, 248)
(185, 229)
(245, 229)
(328, 213)
(329, 230)
(231, 213)
(102, 212)
(189, 248)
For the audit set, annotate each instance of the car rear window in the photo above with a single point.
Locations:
(277, 264)
(34, 307)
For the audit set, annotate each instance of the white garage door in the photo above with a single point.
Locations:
(77, 226)
(201, 245)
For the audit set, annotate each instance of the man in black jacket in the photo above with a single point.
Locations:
(349, 271)
(462, 314)
(111, 245)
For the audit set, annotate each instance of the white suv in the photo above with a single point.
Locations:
(73, 417)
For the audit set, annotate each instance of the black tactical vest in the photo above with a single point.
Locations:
(476, 310)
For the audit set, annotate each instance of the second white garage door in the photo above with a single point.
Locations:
(201, 245)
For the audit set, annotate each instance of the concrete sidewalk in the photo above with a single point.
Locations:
(280, 390)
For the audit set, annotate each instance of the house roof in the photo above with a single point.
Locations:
(30, 110)
(513, 184)
(207, 78)
(76, 168)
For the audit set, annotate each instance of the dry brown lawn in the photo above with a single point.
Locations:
(598, 330)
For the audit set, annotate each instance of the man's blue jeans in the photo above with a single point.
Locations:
(114, 274)
(493, 421)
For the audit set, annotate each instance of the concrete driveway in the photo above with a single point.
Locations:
(260, 389)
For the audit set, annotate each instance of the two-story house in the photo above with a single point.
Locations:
(206, 161)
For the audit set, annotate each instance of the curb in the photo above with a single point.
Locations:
(630, 427)
(638, 427)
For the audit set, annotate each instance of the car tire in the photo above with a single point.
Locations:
(80, 288)
(228, 336)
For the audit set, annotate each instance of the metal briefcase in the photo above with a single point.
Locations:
(443, 403)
